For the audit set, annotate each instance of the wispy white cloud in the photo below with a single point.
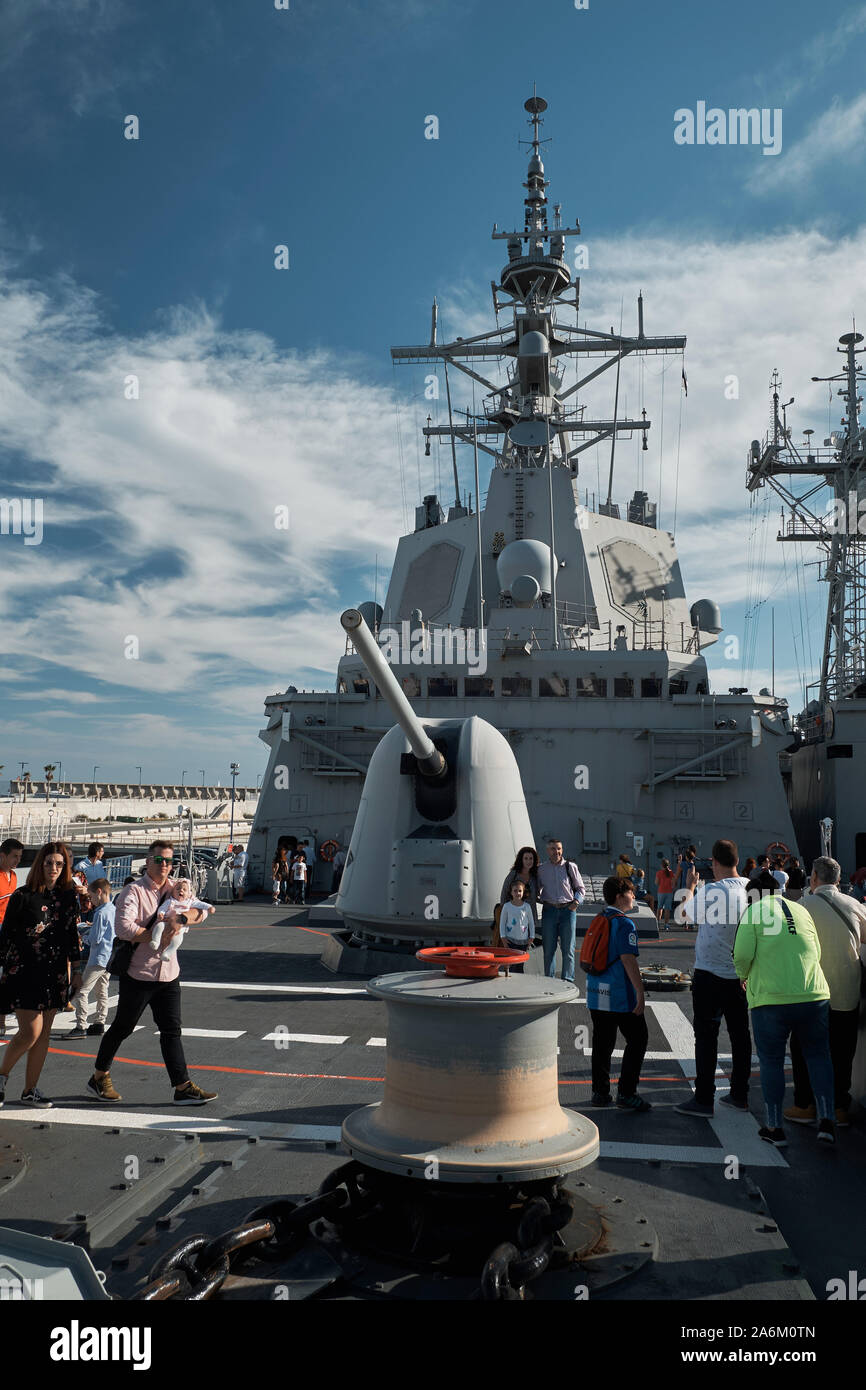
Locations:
(182, 483)
(807, 66)
(184, 488)
(837, 132)
(69, 697)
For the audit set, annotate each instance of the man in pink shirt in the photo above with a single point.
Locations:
(150, 980)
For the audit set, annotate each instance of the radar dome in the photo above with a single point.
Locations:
(531, 558)
(525, 590)
(372, 614)
(706, 615)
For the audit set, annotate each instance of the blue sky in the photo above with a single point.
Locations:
(259, 126)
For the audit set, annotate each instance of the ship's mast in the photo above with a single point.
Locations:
(840, 466)
(527, 422)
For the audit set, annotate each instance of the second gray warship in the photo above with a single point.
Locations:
(825, 765)
(560, 618)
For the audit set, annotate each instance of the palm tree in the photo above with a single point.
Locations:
(50, 769)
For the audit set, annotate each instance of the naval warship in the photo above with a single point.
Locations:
(825, 764)
(252, 1197)
(556, 613)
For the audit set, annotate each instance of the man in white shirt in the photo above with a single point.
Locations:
(561, 891)
(240, 860)
(92, 867)
(715, 909)
(779, 875)
(840, 922)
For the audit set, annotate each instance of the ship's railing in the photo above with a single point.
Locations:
(579, 629)
(638, 635)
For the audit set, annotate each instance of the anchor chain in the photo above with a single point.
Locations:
(198, 1267)
(510, 1267)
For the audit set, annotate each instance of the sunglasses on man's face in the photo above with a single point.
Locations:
(161, 859)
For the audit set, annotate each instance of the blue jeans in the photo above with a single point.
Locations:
(810, 1023)
(558, 924)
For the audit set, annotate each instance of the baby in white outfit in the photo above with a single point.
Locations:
(180, 902)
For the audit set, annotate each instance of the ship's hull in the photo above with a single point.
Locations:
(828, 779)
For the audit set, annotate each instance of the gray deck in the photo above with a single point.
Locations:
(292, 1049)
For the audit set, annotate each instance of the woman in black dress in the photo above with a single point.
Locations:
(39, 946)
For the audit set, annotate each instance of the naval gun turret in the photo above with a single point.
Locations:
(441, 819)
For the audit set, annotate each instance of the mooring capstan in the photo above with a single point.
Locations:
(471, 1083)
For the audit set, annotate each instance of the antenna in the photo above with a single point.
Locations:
(840, 466)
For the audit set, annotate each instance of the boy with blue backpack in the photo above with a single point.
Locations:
(615, 996)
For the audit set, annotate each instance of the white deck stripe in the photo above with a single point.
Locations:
(736, 1130)
(193, 1121)
(272, 989)
(376, 1042)
(667, 1153)
(686, 1063)
(209, 1033)
(679, 1033)
(306, 1037)
(178, 1120)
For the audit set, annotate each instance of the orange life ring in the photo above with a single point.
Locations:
(328, 850)
(776, 848)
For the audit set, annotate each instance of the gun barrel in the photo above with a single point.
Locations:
(430, 760)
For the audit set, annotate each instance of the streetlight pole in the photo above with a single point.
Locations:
(235, 769)
(182, 776)
(138, 770)
(201, 770)
(96, 767)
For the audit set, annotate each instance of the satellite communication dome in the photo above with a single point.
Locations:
(531, 558)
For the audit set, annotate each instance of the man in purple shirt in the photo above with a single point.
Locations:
(150, 980)
(561, 891)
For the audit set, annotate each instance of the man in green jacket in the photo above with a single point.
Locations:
(778, 954)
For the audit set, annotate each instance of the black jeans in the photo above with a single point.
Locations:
(164, 1001)
(844, 1025)
(636, 1034)
(714, 998)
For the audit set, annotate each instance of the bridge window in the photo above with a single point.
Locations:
(361, 685)
(554, 685)
(590, 686)
(678, 685)
(517, 685)
(441, 685)
(651, 688)
(478, 685)
(623, 687)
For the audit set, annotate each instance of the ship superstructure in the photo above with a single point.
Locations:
(559, 617)
(828, 762)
